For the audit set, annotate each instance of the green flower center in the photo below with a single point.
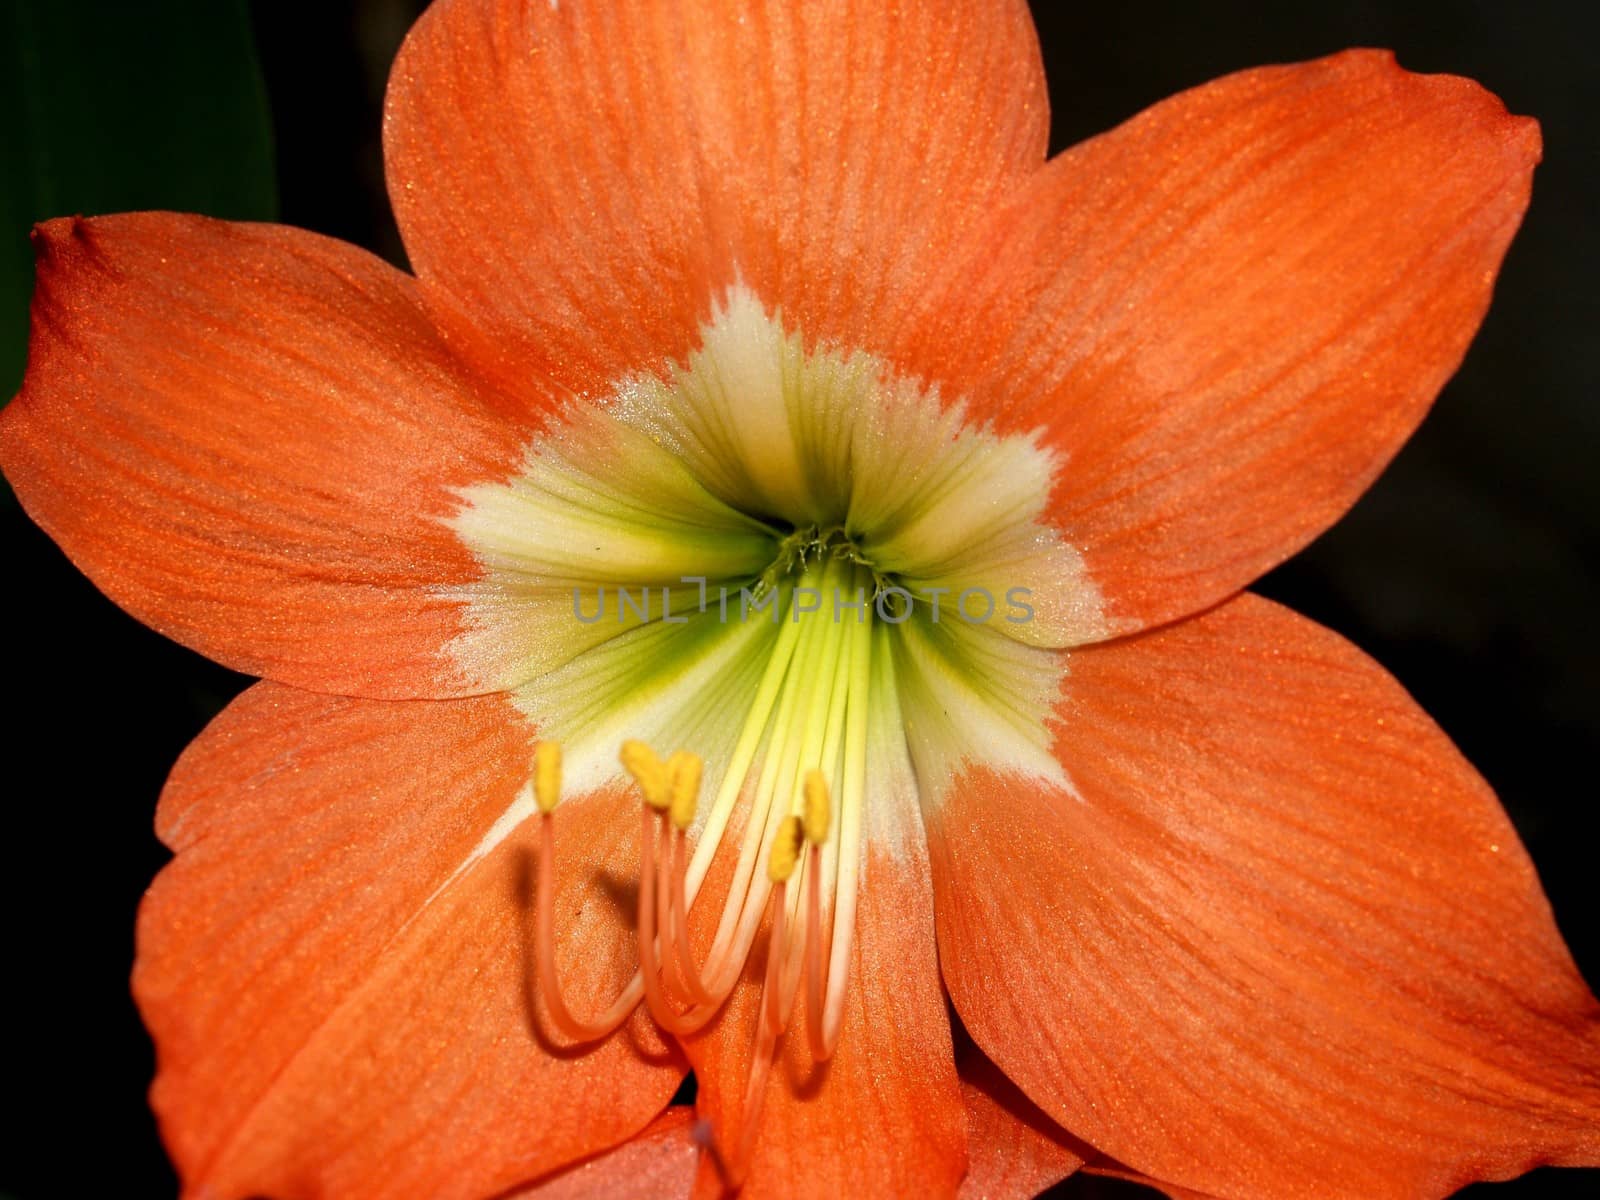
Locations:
(642, 568)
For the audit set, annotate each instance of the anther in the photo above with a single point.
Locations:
(547, 776)
(648, 771)
(683, 778)
(785, 850)
(818, 808)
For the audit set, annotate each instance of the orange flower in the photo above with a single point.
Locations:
(740, 300)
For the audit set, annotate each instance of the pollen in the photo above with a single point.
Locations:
(649, 772)
(547, 776)
(683, 778)
(785, 855)
(819, 808)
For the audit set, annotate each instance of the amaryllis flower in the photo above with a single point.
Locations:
(775, 573)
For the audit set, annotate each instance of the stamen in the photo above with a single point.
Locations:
(818, 816)
(777, 996)
(785, 854)
(678, 934)
(649, 963)
(547, 791)
(669, 789)
(819, 809)
(649, 772)
(683, 773)
(547, 776)
(683, 777)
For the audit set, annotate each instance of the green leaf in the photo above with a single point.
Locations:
(117, 107)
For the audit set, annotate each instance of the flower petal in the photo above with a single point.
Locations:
(1277, 939)
(584, 180)
(335, 966)
(1013, 1150)
(1229, 313)
(883, 1116)
(659, 1162)
(248, 437)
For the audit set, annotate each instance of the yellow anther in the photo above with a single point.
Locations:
(819, 810)
(547, 775)
(648, 771)
(785, 850)
(683, 776)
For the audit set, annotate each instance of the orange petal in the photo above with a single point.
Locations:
(883, 1116)
(659, 1163)
(336, 966)
(581, 178)
(1229, 313)
(246, 436)
(1280, 940)
(1013, 1149)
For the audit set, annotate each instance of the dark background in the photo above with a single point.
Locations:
(1469, 570)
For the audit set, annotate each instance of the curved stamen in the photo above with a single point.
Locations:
(678, 915)
(654, 782)
(547, 792)
(684, 771)
(649, 963)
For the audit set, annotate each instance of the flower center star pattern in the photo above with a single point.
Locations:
(773, 577)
